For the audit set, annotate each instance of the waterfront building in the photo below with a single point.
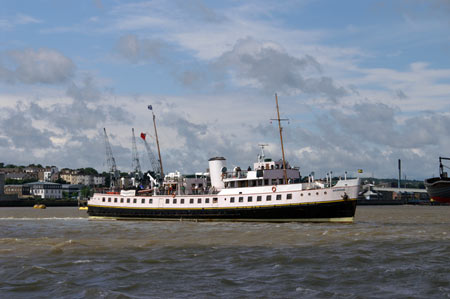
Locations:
(20, 190)
(46, 190)
(2, 183)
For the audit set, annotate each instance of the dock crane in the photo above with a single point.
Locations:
(153, 161)
(114, 174)
(135, 165)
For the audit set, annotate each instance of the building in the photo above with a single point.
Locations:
(48, 174)
(2, 183)
(73, 177)
(46, 190)
(19, 190)
(71, 191)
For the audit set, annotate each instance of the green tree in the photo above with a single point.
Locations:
(85, 192)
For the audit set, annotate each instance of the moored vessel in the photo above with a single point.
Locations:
(270, 191)
(438, 188)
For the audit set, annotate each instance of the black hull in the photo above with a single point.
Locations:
(331, 211)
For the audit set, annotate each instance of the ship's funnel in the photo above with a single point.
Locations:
(216, 167)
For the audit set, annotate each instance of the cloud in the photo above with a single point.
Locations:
(18, 126)
(31, 67)
(137, 50)
(22, 19)
(267, 66)
(198, 10)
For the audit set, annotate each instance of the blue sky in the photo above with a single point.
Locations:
(364, 83)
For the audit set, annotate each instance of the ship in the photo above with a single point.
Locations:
(270, 191)
(438, 188)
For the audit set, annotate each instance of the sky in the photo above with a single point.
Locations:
(362, 83)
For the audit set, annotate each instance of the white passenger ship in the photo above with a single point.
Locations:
(255, 195)
(271, 191)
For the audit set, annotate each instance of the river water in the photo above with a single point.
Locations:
(390, 251)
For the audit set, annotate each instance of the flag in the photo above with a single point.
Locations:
(360, 171)
(143, 135)
(149, 107)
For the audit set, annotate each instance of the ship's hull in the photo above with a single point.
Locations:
(438, 189)
(282, 203)
(339, 211)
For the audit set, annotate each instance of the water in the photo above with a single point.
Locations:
(390, 251)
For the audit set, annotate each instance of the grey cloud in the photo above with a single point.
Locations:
(136, 50)
(4, 142)
(400, 94)
(201, 143)
(86, 92)
(17, 125)
(78, 116)
(275, 70)
(30, 67)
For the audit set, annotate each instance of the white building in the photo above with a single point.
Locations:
(46, 190)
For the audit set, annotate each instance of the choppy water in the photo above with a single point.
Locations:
(390, 251)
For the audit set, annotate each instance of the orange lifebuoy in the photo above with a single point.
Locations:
(173, 195)
(274, 188)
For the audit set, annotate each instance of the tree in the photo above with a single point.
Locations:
(61, 181)
(85, 192)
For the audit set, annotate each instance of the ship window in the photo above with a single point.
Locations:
(266, 182)
(289, 196)
(309, 194)
(191, 200)
(150, 200)
(167, 200)
(278, 196)
(215, 200)
(182, 201)
(241, 199)
(258, 198)
(206, 200)
(301, 194)
(250, 199)
(280, 181)
(115, 199)
(143, 200)
(325, 192)
(109, 199)
(317, 193)
(103, 199)
(231, 199)
(231, 184)
(174, 200)
(268, 197)
(199, 200)
(134, 200)
(128, 200)
(121, 200)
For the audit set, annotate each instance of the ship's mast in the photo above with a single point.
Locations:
(157, 142)
(281, 139)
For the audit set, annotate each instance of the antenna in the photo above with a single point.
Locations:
(262, 156)
(281, 137)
